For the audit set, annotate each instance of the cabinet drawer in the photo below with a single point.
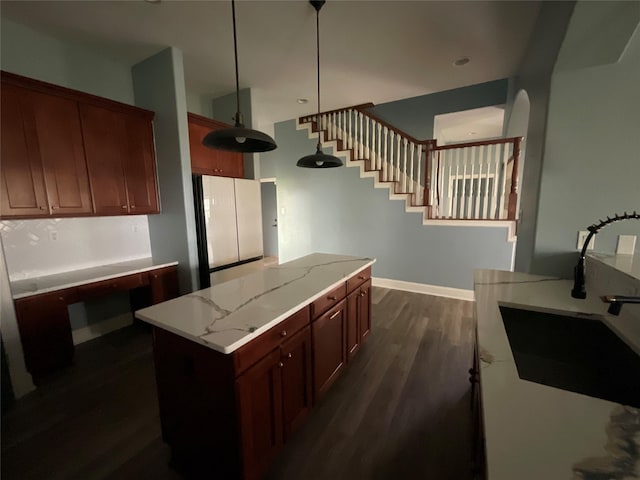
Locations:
(358, 279)
(257, 348)
(328, 300)
(105, 287)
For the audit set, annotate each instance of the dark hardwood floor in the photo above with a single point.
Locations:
(400, 411)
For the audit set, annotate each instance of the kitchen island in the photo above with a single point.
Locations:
(535, 431)
(239, 365)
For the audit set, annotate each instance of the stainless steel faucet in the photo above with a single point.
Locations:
(616, 301)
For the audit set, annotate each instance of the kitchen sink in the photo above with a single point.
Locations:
(580, 355)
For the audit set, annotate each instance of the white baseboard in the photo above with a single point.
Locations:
(437, 290)
(96, 330)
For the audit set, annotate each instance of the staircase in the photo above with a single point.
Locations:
(464, 181)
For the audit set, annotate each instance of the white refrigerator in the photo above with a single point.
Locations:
(228, 223)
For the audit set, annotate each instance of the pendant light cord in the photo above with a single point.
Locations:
(318, 75)
(238, 120)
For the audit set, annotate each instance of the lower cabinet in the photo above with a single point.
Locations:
(478, 459)
(43, 322)
(274, 396)
(329, 333)
(228, 415)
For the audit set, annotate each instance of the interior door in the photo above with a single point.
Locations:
(249, 218)
(220, 220)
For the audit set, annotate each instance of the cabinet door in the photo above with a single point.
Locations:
(208, 161)
(230, 164)
(140, 166)
(249, 218)
(204, 160)
(296, 380)
(106, 148)
(329, 348)
(23, 188)
(260, 404)
(62, 153)
(163, 284)
(364, 310)
(353, 324)
(43, 321)
(220, 220)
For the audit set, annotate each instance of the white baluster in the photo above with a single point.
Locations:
(505, 161)
(494, 190)
(413, 149)
(361, 137)
(472, 157)
(488, 185)
(391, 150)
(417, 179)
(378, 150)
(463, 199)
(404, 164)
(385, 159)
(372, 151)
(397, 173)
(480, 153)
(366, 143)
(349, 127)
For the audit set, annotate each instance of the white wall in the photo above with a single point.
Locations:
(47, 246)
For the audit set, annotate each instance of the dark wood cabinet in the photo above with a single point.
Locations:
(208, 161)
(67, 153)
(353, 325)
(234, 412)
(274, 396)
(23, 189)
(364, 310)
(329, 347)
(43, 168)
(43, 322)
(296, 380)
(260, 408)
(120, 160)
(163, 284)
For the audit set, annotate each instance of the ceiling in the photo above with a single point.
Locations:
(469, 125)
(371, 51)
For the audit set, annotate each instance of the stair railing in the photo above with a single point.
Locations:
(468, 181)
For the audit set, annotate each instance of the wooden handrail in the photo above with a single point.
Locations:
(384, 123)
(354, 107)
(477, 144)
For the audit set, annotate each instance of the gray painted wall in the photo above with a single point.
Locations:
(268, 193)
(335, 211)
(199, 104)
(415, 115)
(592, 154)
(159, 86)
(534, 77)
(37, 55)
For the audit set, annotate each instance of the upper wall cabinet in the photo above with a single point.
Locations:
(67, 153)
(207, 161)
(119, 151)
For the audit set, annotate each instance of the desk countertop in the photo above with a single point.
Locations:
(60, 281)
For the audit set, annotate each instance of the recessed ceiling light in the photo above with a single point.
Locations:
(461, 61)
(302, 101)
(471, 133)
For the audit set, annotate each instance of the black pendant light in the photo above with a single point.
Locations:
(238, 138)
(319, 159)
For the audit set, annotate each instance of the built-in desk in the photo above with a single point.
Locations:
(42, 313)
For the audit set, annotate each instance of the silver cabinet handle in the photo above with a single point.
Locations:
(334, 315)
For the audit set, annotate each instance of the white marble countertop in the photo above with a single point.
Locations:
(229, 315)
(59, 281)
(533, 431)
(627, 264)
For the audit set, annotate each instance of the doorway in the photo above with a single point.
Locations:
(269, 195)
